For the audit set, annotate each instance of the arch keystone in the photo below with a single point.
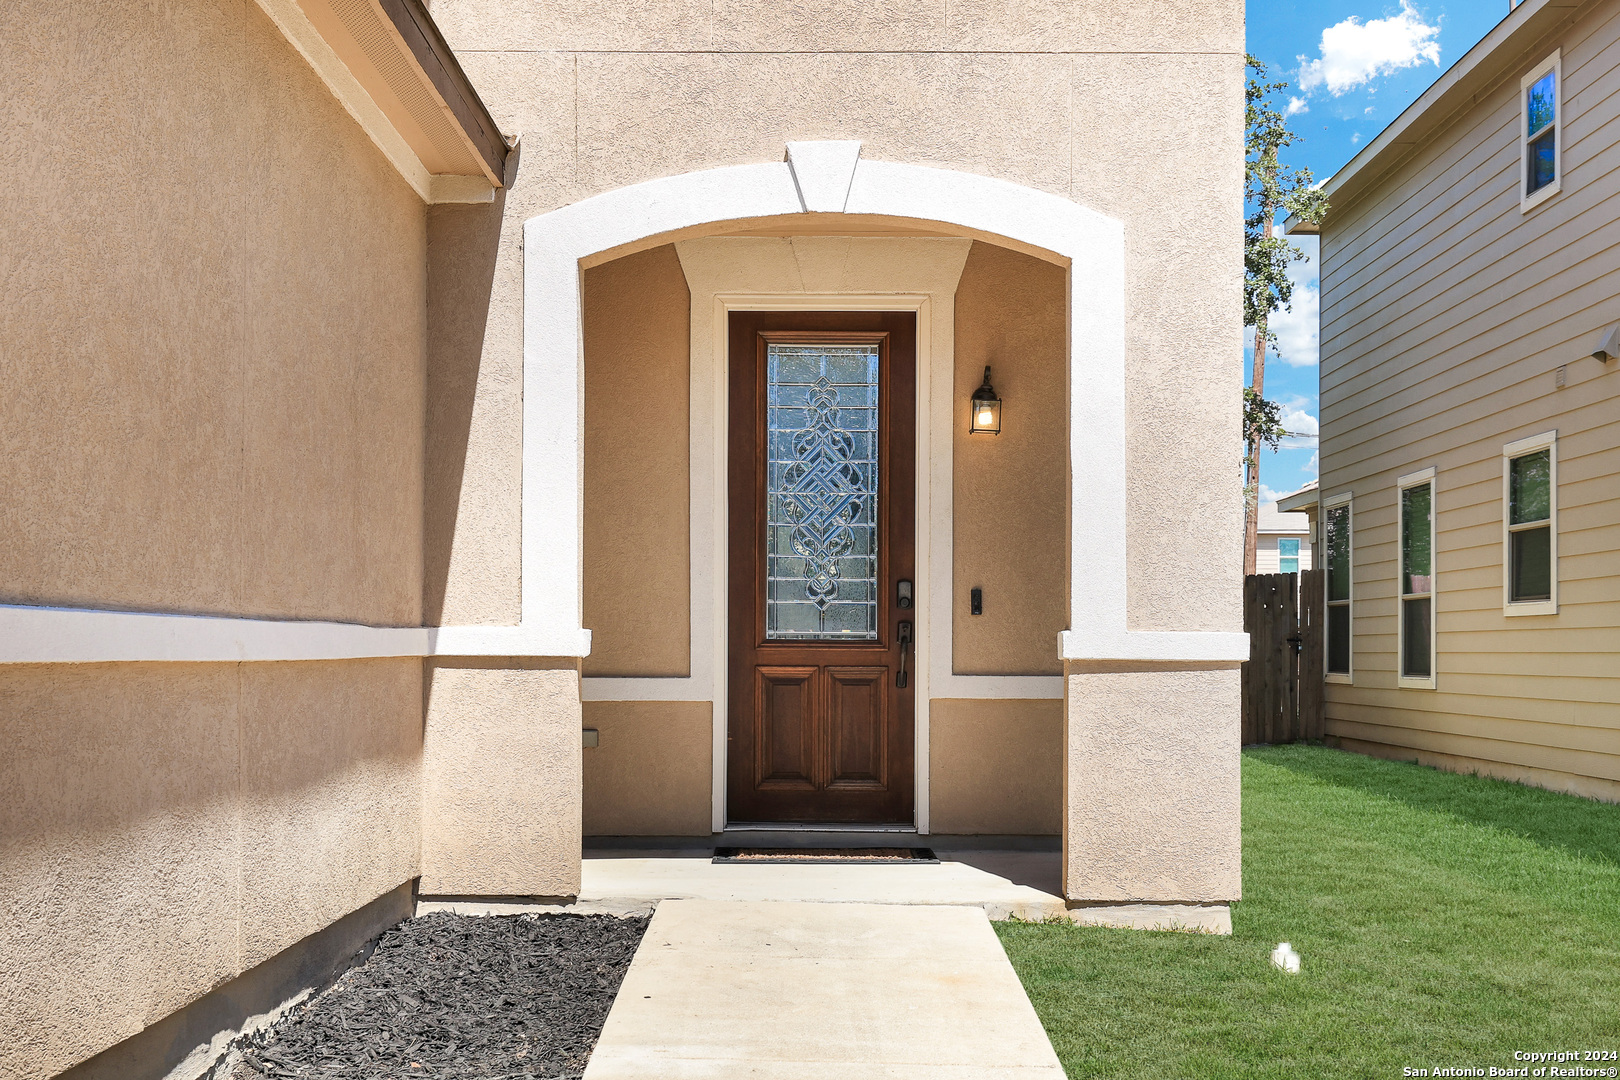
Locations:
(823, 172)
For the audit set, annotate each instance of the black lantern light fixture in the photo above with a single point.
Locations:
(985, 411)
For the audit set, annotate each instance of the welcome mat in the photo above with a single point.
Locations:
(829, 856)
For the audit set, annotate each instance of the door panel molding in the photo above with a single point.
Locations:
(850, 744)
(785, 700)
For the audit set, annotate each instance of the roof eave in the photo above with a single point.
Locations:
(388, 65)
(1300, 502)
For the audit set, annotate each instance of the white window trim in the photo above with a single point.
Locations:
(1296, 556)
(1554, 64)
(1333, 502)
(1412, 480)
(1547, 440)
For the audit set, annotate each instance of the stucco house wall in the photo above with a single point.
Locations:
(249, 374)
(213, 345)
(1452, 325)
(606, 96)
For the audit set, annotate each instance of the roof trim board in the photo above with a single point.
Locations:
(1514, 42)
(387, 64)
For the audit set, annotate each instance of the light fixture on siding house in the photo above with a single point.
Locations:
(985, 415)
(1609, 346)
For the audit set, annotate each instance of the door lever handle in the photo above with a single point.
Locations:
(904, 637)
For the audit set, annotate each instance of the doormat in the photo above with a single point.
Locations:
(826, 856)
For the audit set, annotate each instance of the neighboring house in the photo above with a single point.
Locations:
(357, 459)
(1469, 506)
(1282, 542)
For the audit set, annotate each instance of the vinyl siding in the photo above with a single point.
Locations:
(1445, 314)
(1267, 557)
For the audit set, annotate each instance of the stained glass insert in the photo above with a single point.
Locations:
(821, 492)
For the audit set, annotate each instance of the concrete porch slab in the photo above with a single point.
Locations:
(758, 989)
(1004, 884)
(634, 885)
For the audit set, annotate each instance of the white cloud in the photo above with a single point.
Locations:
(1296, 105)
(1303, 426)
(1356, 52)
(1299, 331)
(1271, 495)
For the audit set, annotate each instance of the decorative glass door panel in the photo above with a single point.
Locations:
(821, 495)
(821, 492)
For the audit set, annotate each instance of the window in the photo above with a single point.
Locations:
(1417, 579)
(1530, 533)
(1288, 555)
(1335, 537)
(1541, 138)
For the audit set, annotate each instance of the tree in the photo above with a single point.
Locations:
(1268, 187)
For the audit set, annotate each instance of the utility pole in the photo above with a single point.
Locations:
(1269, 187)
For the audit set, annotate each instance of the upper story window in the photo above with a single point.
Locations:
(1541, 135)
(1288, 555)
(1530, 525)
(1335, 540)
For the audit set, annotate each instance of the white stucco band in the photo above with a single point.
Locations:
(42, 635)
(1090, 244)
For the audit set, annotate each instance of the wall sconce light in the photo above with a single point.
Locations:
(985, 414)
(1609, 345)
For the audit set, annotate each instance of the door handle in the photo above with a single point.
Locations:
(904, 637)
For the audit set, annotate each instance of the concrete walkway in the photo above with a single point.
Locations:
(816, 991)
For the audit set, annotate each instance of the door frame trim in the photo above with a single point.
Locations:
(919, 304)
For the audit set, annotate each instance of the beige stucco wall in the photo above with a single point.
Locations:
(166, 827)
(501, 794)
(1447, 315)
(637, 578)
(214, 333)
(995, 766)
(1010, 534)
(1151, 795)
(213, 345)
(608, 95)
(652, 774)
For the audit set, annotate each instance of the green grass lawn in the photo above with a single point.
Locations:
(1443, 921)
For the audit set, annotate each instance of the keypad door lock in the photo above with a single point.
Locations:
(902, 594)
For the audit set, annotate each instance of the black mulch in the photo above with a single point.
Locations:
(457, 997)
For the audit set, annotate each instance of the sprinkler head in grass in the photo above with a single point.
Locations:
(1284, 958)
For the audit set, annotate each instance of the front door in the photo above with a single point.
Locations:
(822, 536)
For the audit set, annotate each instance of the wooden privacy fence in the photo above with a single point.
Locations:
(1282, 682)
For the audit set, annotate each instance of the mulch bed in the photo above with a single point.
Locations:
(457, 997)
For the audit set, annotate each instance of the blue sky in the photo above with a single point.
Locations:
(1353, 66)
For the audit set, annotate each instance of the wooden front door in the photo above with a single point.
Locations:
(822, 537)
